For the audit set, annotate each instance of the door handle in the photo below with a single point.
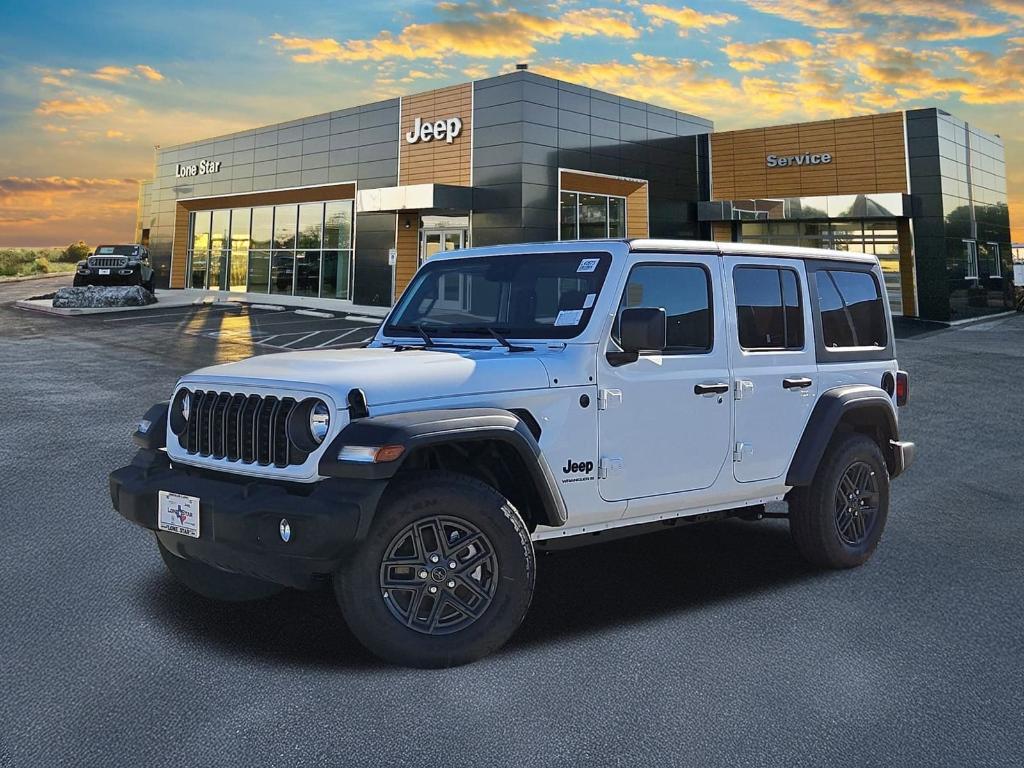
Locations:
(800, 383)
(710, 389)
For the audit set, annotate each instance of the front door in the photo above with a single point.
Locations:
(452, 290)
(665, 418)
(774, 368)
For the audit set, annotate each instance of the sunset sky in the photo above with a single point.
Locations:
(87, 89)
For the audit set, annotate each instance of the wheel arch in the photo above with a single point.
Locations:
(493, 445)
(855, 408)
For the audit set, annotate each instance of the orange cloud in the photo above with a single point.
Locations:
(909, 19)
(148, 72)
(117, 74)
(112, 74)
(689, 86)
(686, 18)
(56, 210)
(746, 57)
(73, 106)
(487, 35)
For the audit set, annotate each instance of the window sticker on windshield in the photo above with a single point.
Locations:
(588, 265)
(589, 301)
(106, 250)
(569, 317)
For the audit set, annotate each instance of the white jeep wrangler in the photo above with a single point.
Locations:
(525, 397)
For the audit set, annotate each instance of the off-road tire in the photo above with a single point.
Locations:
(373, 613)
(77, 282)
(148, 285)
(214, 583)
(816, 513)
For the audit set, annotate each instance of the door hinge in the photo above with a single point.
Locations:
(740, 449)
(742, 385)
(608, 464)
(607, 398)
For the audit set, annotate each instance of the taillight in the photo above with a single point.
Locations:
(902, 388)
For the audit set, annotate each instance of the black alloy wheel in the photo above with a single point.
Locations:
(444, 575)
(439, 575)
(856, 503)
(838, 520)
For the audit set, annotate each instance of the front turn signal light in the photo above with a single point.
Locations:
(370, 454)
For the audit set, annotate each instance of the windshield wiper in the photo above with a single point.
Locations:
(428, 341)
(494, 333)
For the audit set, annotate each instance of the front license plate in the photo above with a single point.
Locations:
(104, 271)
(179, 514)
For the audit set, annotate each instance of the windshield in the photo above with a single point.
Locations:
(536, 295)
(117, 250)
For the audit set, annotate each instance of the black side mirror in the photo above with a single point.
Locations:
(642, 329)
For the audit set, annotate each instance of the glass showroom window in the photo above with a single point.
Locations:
(199, 253)
(282, 262)
(259, 249)
(305, 250)
(585, 216)
(239, 258)
(337, 254)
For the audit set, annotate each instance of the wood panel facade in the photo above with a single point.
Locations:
(634, 190)
(437, 161)
(868, 155)
(180, 244)
(407, 249)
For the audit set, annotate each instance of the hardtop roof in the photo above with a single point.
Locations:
(745, 249)
(660, 245)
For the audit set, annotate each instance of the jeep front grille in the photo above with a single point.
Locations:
(246, 428)
(113, 262)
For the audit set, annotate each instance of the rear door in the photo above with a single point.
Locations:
(774, 365)
(665, 418)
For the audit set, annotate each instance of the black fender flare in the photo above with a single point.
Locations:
(863, 402)
(418, 429)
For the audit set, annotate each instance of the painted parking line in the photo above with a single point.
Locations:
(341, 335)
(305, 339)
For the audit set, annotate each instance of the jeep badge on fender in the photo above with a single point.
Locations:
(420, 475)
(572, 467)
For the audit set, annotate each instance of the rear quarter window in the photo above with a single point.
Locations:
(852, 309)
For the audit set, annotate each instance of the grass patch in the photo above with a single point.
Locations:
(25, 262)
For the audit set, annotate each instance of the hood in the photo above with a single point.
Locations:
(385, 375)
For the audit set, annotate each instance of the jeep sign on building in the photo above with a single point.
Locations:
(317, 206)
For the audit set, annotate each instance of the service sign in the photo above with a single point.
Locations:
(426, 130)
(784, 161)
(202, 168)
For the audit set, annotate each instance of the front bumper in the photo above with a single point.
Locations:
(240, 518)
(93, 277)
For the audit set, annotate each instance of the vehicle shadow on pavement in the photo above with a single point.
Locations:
(656, 575)
(578, 591)
(295, 626)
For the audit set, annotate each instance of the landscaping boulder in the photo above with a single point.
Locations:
(92, 296)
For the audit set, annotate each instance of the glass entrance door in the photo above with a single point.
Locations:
(437, 240)
(452, 292)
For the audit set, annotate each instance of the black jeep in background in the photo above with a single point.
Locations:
(116, 265)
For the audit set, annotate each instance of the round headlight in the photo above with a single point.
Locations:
(319, 421)
(181, 406)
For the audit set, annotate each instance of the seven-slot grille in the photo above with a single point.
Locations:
(115, 262)
(246, 428)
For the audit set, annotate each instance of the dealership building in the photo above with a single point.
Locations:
(347, 204)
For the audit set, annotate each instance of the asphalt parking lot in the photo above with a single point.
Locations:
(708, 646)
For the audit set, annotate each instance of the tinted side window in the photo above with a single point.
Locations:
(835, 321)
(684, 292)
(859, 321)
(769, 313)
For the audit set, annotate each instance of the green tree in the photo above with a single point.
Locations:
(76, 251)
